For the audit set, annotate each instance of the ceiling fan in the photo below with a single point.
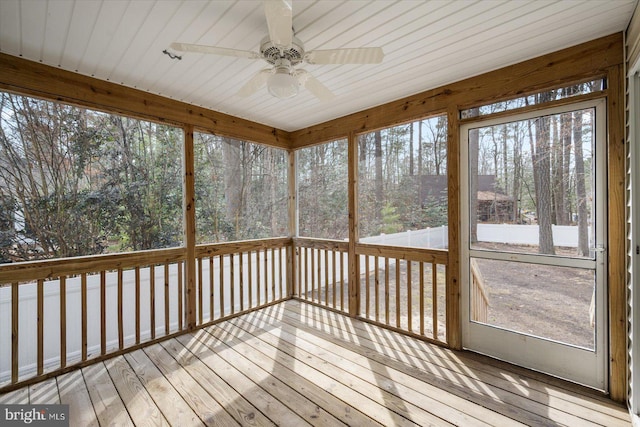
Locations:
(284, 52)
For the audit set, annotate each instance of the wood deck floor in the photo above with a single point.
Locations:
(295, 364)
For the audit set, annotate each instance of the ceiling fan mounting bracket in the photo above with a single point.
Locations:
(273, 53)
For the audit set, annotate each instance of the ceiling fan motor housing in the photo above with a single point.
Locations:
(274, 54)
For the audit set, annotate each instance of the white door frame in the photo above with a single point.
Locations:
(633, 169)
(577, 364)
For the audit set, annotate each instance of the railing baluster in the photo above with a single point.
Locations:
(297, 257)
(434, 298)
(152, 301)
(377, 289)
(273, 274)
(281, 261)
(306, 273)
(138, 303)
(421, 298)
(386, 290)
(326, 277)
(258, 277)
(241, 281)
(333, 269)
(367, 293)
(398, 286)
(40, 303)
(14, 331)
(83, 296)
(314, 294)
(318, 275)
(250, 279)
(221, 284)
(200, 285)
(166, 298)
(266, 275)
(342, 288)
(232, 284)
(409, 308)
(120, 322)
(103, 312)
(211, 289)
(180, 312)
(63, 321)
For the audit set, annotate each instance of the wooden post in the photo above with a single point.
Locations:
(454, 327)
(292, 255)
(354, 294)
(616, 152)
(189, 228)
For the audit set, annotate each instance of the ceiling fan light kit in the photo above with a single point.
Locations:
(282, 84)
(283, 51)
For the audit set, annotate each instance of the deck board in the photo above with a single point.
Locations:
(487, 385)
(205, 406)
(297, 364)
(45, 392)
(173, 406)
(399, 386)
(106, 401)
(73, 392)
(140, 405)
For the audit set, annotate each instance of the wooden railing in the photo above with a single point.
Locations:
(399, 288)
(59, 314)
(322, 273)
(479, 304)
(404, 289)
(241, 276)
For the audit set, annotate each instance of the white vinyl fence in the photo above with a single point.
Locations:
(437, 237)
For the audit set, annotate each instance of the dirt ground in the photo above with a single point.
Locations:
(545, 301)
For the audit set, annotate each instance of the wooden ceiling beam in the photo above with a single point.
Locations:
(588, 60)
(42, 81)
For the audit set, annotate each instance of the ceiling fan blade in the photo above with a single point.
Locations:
(197, 48)
(279, 20)
(255, 83)
(314, 86)
(363, 55)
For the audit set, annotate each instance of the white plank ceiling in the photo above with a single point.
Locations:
(426, 44)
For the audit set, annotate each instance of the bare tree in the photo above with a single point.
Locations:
(583, 218)
(541, 160)
(474, 149)
(379, 192)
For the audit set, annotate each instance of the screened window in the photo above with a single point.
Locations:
(538, 98)
(78, 182)
(322, 191)
(402, 184)
(241, 190)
